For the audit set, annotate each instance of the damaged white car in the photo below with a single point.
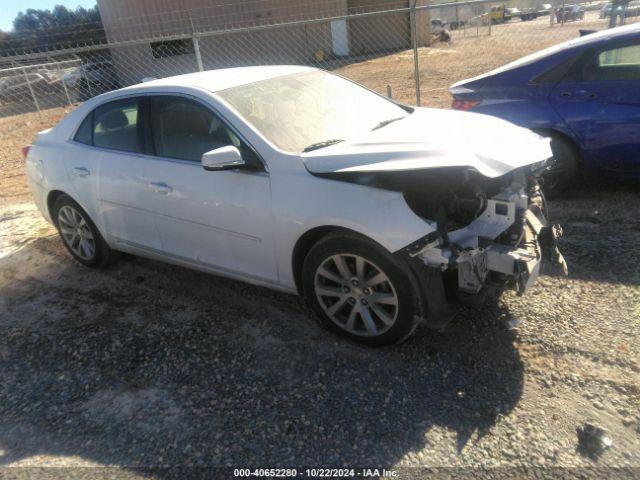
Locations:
(381, 215)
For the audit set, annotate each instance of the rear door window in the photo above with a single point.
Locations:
(116, 127)
(84, 132)
(615, 64)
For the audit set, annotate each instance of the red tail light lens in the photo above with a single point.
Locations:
(25, 151)
(464, 104)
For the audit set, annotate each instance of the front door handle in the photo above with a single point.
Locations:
(161, 187)
(585, 93)
(81, 172)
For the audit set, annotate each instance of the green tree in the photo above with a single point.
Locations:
(53, 29)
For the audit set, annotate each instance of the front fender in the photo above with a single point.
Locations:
(304, 202)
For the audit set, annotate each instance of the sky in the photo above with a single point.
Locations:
(10, 8)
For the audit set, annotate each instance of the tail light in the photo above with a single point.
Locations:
(25, 151)
(464, 104)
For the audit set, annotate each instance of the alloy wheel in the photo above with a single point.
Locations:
(356, 295)
(76, 233)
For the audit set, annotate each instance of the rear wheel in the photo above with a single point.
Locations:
(358, 290)
(80, 235)
(564, 167)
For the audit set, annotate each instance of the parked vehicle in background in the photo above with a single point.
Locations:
(501, 14)
(299, 180)
(92, 78)
(533, 13)
(606, 10)
(569, 13)
(18, 87)
(438, 25)
(632, 9)
(584, 94)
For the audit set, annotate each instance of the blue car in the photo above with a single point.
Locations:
(584, 94)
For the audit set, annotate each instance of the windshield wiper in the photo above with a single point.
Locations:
(384, 123)
(324, 143)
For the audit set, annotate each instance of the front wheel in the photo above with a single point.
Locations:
(359, 290)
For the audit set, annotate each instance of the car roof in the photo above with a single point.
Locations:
(221, 79)
(592, 38)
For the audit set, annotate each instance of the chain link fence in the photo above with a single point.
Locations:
(410, 50)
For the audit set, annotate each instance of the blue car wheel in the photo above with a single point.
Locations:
(564, 168)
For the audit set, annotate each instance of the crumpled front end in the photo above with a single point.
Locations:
(502, 247)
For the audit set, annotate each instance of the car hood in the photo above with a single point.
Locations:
(433, 138)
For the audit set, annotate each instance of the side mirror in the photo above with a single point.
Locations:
(224, 158)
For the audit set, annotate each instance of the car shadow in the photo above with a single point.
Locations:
(150, 365)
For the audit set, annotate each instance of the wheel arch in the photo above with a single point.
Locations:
(52, 196)
(549, 131)
(311, 237)
(306, 242)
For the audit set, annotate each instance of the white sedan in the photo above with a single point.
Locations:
(297, 179)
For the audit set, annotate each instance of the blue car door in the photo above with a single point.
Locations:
(600, 101)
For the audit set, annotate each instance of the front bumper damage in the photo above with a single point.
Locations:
(502, 248)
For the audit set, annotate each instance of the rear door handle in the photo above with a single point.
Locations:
(81, 172)
(161, 187)
(578, 94)
(585, 93)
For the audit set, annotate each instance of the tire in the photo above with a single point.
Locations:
(564, 171)
(80, 235)
(376, 314)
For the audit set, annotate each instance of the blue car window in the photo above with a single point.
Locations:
(557, 72)
(620, 57)
(615, 64)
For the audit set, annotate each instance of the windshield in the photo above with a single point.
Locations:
(315, 109)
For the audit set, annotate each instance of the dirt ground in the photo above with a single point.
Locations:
(146, 364)
(471, 52)
(16, 132)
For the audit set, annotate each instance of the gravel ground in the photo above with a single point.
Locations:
(150, 365)
(147, 364)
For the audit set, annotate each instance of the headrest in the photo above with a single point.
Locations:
(114, 119)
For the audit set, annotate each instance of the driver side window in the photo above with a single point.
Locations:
(184, 129)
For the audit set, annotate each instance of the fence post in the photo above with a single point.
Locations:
(64, 85)
(86, 79)
(33, 94)
(196, 49)
(414, 41)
